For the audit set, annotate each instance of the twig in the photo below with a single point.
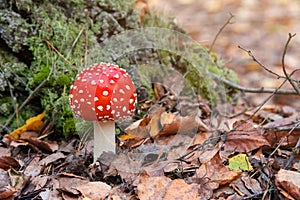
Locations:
(288, 77)
(220, 31)
(295, 151)
(259, 63)
(254, 90)
(283, 138)
(66, 60)
(74, 43)
(29, 97)
(32, 93)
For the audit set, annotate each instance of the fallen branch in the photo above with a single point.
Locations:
(255, 90)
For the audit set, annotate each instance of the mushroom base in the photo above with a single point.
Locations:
(104, 138)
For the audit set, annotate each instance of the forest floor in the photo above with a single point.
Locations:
(251, 153)
(259, 26)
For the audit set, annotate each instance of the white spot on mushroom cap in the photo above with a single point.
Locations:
(80, 91)
(122, 91)
(124, 109)
(101, 81)
(100, 108)
(105, 93)
(96, 98)
(107, 107)
(82, 100)
(93, 82)
(116, 76)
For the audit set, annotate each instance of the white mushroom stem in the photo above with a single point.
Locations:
(104, 138)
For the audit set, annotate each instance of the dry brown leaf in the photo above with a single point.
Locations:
(275, 136)
(216, 172)
(51, 158)
(244, 138)
(152, 188)
(179, 189)
(7, 162)
(138, 129)
(124, 166)
(288, 183)
(94, 190)
(251, 184)
(70, 185)
(7, 192)
(154, 125)
(47, 146)
(39, 182)
(200, 137)
(33, 169)
(279, 129)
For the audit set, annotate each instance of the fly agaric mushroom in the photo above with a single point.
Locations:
(103, 93)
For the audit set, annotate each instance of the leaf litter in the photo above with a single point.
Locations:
(247, 159)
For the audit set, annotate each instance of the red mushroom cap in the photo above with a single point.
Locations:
(103, 92)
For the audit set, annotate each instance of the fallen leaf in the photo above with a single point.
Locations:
(179, 189)
(32, 124)
(240, 162)
(125, 166)
(7, 192)
(94, 190)
(251, 184)
(288, 183)
(70, 185)
(137, 130)
(51, 158)
(7, 162)
(244, 138)
(216, 172)
(152, 188)
(279, 129)
(154, 125)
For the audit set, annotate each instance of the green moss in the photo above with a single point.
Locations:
(76, 29)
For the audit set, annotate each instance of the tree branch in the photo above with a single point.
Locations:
(220, 31)
(253, 90)
(288, 77)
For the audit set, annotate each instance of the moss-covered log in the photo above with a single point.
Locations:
(43, 44)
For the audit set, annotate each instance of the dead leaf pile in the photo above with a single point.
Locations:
(171, 153)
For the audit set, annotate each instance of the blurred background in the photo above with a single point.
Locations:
(261, 26)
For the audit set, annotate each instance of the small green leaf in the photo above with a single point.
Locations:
(240, 162)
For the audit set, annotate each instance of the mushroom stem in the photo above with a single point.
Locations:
(104, 138)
